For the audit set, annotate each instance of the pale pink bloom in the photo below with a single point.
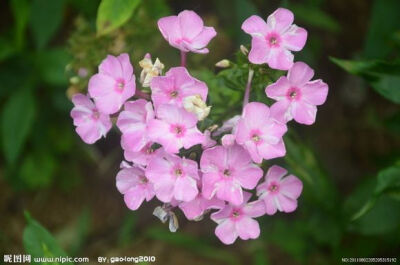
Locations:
(186, 32)
(208, 141)
(279, 192)
(143, 156)
(133, 184)
(173, 177)
(228, 140)
(237, 221)
(90, 124)
(226, 171)
(260, 133)
(297, 96)
(132, 122)
(274, 40)
(175, 86)
(114, 84)
(175, 128)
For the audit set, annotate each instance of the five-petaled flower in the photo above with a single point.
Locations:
(174, 128)
(260, 133)
(114, 84)
(176, 85)
(90, 124)
(273, 41)
(237, 220)
(186, 32)
(134, 185)
(297, 96)
(173, 177)
(279, 192)
(226, 171)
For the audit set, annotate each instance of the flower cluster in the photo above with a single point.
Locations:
(218, 169)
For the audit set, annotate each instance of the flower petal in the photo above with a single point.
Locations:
(226, 232)
(280, 20)
(291, 187)
(315, 92)
(190, 23)
(259, 50)
(255, 26)
(185, 189)
(169, 28)
(294, 38)
(299, 74)
(111, 66)
(304, 113)
(255, 208)
(278, 90)
(134, 198)
(202, 40)
(247, 228)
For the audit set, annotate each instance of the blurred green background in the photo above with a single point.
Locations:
(349, 160)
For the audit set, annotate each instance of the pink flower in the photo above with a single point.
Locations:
(143, 156)
(175, 128)
(133, 124)
(297, 96)
(186, 32)
(135, 187)
(173, 177)
(176, 85)
(274, 40)
(260, 133)
(279, 193)
(114, 83)
(234, 221)
(90, 124)
(226, 170)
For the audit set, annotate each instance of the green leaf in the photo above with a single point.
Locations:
(388, 182)
(46, 17)
(384, 77)
(382, 218)
(388, 178)
(16, 121)
(21, 12)
(113, 14)
(389, 87)
(385, 20)
(38, 242)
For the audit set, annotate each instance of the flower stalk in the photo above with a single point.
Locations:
(183, 58)
(248, 87)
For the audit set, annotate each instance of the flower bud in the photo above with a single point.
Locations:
(150, 70)
(196, 105)
(223, 63)
(244, 50)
